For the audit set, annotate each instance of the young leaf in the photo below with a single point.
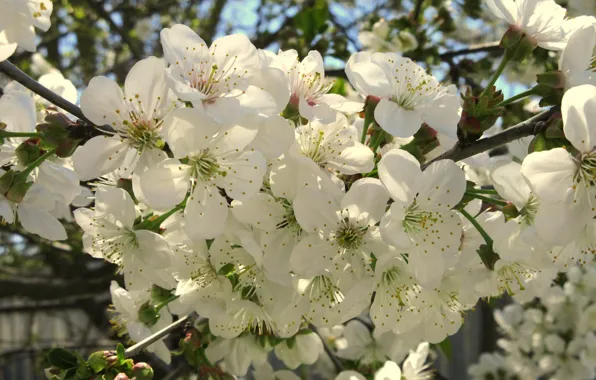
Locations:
(63, 359)
(120, 353)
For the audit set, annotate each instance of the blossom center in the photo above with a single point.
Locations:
(412, 86)
(416, 220)
(204, 165)
(113, 240)
(528, 213)
(313, 148)
(289, 219)
(349, 236)
(586, 172)
(513, 274)
(393, 281)
(323, 290)
(142, 133)
(309, 86)
(203, 275)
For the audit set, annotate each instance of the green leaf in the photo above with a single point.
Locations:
(120, 353)
(63, 359)
(97, 361)
(83, 372)
(226, 270)
(446, 348)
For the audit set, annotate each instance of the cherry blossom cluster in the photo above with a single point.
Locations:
(232, 182)
(553, 338)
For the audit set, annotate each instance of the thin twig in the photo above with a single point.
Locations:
(18, 75)
(336, 362)
(133, 350)
(530, 127)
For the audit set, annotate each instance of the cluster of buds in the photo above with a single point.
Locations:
(479, 113)
(100, 365)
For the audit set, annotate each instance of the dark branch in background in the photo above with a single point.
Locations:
(35, 289)
(17, 74)
(447, 56)
(488, 47)
(417, 13)
(208, 31)
(344, 29)
(267, 38)
(133, 46)
(530, 127)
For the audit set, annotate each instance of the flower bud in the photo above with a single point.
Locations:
(121, 376)
(193, 338)
(28, 152)
(524, 48)
(511, 37)
(6, 181)
(17, 191)
(142, 371)
(552, 79)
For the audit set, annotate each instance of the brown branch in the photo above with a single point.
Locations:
(530, 127)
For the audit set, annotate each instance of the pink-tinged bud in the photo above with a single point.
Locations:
(112, 359)
(193, 338)
(511, 37)
(372, 100)
(553, 79)
(142, 371)
(121, 376)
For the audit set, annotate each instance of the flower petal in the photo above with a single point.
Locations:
(99, 156)
(579, 112)
(166, 184)
(205, 213)
(400, 173)
(396, 120)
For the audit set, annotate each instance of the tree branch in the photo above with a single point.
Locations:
(133, 45)
(18, 75)
(530, 127)
(208, 31)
